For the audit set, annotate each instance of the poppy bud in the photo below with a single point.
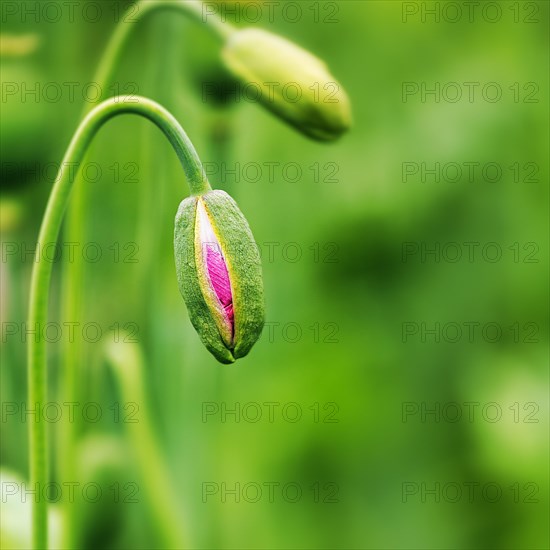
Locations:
(219, 274)
(294, 84)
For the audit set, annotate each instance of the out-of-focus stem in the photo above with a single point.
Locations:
(126, 360)
(190, 8)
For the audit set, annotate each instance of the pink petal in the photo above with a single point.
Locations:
(215, 265)
(219, 277)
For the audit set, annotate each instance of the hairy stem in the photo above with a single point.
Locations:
(42, 269)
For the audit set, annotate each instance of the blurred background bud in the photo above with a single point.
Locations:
(291, 82)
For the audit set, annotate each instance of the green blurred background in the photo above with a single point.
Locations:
(351, 295)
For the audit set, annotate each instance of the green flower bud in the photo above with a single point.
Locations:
(294, 84)
(219, 274)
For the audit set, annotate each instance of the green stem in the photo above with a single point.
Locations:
(194, 9)
(41, 275)
(126, 361)
(73, 273)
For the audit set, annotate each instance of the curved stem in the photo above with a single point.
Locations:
(195, 9)
(73, 274)
(41, 275)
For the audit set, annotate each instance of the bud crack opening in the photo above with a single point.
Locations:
(215, 268)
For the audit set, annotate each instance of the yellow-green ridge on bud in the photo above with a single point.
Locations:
(219, 274)
(318, 106)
